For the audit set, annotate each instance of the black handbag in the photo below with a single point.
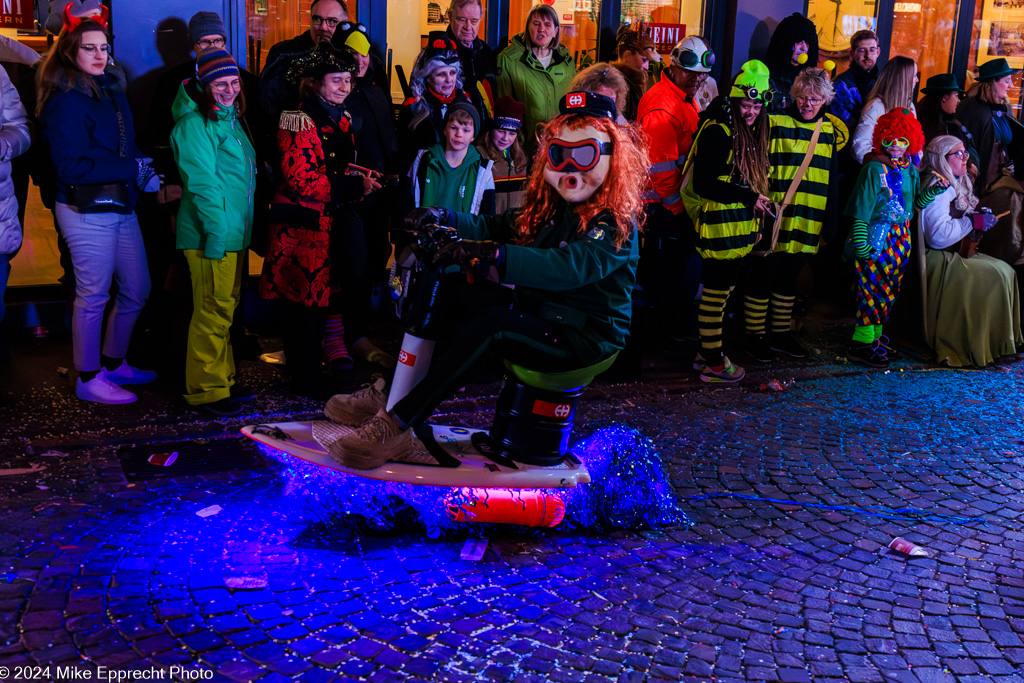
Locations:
(100, 198)
(104, 197)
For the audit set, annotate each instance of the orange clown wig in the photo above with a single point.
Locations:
(898, 123)
(621, 194)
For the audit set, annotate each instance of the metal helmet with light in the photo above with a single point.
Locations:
(692, 54)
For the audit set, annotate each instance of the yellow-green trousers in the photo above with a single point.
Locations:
(209, 362)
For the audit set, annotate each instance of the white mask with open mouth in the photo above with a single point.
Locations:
(574, 152)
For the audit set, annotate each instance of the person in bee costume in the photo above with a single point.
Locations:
(726, 195)
(803, 150)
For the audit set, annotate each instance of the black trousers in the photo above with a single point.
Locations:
(303, 335)
(516, 336)
(670, 269)
(775, 274)
(349, 272)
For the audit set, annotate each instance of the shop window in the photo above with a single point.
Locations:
(836, 23)
(578, 26)
(998, 31)
(409, 22)
(924, 30)
(268, 22)
(679, 18)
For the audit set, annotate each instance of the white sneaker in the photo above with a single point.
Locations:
(101, 390)
(126, 374)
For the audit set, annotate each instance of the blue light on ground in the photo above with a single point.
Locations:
(629, 490)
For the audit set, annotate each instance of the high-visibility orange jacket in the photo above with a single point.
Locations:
(668, 119)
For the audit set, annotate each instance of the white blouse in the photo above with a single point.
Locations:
(866, 128)
(940, 229)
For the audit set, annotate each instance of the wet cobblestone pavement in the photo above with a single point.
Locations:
(784, 574)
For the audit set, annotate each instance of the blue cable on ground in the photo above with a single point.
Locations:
(873, 510)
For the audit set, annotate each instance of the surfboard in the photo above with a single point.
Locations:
(447, 456)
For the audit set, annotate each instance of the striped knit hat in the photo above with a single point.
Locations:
(213, 63)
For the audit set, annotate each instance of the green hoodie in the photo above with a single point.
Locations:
(452, 188)
(218, 166)
(521, 75)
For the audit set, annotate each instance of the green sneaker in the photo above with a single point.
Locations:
(726, 373)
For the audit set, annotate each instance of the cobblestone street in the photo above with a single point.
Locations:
(784, 575)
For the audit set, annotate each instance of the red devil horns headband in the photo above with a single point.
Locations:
(71, 22)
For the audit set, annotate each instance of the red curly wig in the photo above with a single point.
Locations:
(898, 123)
(620, 194)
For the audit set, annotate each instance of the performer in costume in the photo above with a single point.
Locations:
(317, 246)
(810, 219)
(726, 194)
(572, 255)
(881, 207)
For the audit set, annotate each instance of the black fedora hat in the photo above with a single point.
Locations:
(997, 68)
(941, 84)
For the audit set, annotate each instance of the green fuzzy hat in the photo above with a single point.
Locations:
(751, 82)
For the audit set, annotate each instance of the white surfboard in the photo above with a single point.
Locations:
(450, 460)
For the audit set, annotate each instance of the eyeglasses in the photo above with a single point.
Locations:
(581, 156)
(216, 42)
(813, 101)
(901, 143)
(961, 154)
(331, 22)
(91, 49)
(765, 96)
(227, 86)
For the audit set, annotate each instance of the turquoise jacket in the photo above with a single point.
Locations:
(218, 167)
(575, 278)
(521, 75)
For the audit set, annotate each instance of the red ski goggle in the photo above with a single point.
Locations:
(577, 156)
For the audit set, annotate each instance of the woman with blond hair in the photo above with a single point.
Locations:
(536, 69)
(604, 79)
(973, 304)
(987, 116)
(808, 220)
(893, 89)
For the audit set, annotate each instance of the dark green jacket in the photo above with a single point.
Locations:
(577, 279)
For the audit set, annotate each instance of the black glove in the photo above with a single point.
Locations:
(416, 219)
(480, 259)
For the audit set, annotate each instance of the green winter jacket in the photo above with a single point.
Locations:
(218, 167)
(522, 76)
(577, 279)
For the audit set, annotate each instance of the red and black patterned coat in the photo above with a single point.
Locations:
(315, 150)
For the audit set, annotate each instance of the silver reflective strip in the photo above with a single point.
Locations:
(663, 166)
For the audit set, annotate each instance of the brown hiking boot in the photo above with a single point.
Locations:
(356, 408)
(378, 440)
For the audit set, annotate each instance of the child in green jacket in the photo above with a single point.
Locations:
(452, 174)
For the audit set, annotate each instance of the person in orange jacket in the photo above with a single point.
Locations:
(668, 118)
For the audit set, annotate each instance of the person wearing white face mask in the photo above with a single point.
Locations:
(571, 254)
(217, 163)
